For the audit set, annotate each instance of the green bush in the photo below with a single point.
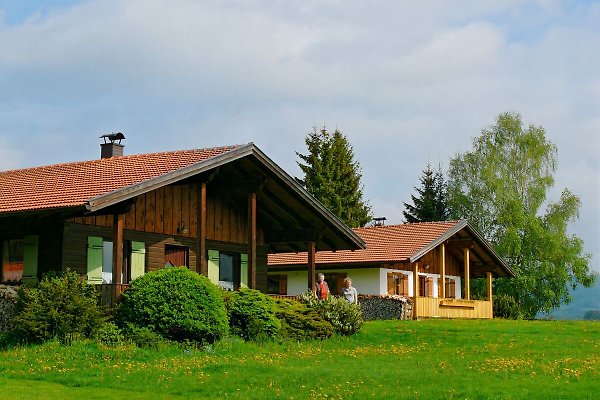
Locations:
(346, 318)
(252, 316)
(109, 334)
(143, 337)
(175, 303)
(505, 306)
(298, 322)
(63, 307)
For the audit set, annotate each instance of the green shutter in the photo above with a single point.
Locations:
(94, 260)
(30, 260)
(213, 266)
(244, 270)
(138, 259)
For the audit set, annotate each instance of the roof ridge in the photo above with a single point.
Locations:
(453, 221)
(129, 156)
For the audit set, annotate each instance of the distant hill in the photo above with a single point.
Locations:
(584, 299)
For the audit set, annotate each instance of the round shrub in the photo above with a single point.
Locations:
(176, 303)
(109, 334)
(252, 316)
(63, 307)
(298, 322)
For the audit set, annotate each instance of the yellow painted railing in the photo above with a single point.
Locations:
(430, 307)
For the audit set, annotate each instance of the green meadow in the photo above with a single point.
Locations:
(430, 359)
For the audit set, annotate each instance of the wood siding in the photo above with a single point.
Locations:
(162, 210)
(453, 264)
(75, 249)
(429, 307)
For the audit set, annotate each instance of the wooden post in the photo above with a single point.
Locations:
(467, 274)
(117, 261)
(252, 240)
(442, 290)
(202, 265)
(489, 286)
(415, 289)
(311, 265)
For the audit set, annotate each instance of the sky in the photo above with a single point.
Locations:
(407, 82)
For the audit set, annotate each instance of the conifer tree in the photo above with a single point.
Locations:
(332, 176)
(430, 203)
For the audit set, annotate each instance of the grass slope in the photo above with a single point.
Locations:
(436, 359)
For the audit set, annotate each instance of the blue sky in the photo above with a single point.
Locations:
(408, 82)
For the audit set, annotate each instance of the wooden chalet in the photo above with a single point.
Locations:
(431, 262)
(218, 211)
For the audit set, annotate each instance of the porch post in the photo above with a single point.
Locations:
(443, 271)
(252, 240)
(311, 265)
(202, 266)
(467, 274)
(415, 289)
(489, 286)
(117, 261)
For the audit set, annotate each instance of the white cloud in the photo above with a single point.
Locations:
(408, 82)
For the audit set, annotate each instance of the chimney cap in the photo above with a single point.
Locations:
(113, 137)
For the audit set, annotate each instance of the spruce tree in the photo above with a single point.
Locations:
(430, 204)
(332, 176)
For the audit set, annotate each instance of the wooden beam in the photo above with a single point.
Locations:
(311, 265)
(202, 265)
(117, 261)
(442, 290)
(252, 240)
(415, 289)
(489, 286)
(466, 262)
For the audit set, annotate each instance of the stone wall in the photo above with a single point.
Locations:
(385, 307)
(8, 302)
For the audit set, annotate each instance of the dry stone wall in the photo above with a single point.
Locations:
(8, 304)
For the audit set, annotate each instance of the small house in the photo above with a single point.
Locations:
(218, 211)
(430, 262)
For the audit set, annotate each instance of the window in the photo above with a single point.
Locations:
(19, 260)
(397, 283)
(12, 260)
(176, 256)
(100, 260)
(277, 284)
(425, 286)
(450, 288)
(228, 270)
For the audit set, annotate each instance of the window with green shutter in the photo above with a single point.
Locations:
(213, 266)
(138, 259)
(94, 259)
(30, 259)
(244, 270)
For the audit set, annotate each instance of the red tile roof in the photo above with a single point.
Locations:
(73, 184)
(391, 243)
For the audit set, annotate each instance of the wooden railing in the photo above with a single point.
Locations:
(430, 307)
(110, 293)
(283, 296)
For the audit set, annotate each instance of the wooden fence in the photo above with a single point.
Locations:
(431, 307)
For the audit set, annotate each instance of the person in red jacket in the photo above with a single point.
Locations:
(321, 288)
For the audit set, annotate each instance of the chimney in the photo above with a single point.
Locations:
(112, 146)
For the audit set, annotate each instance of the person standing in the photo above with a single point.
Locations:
(321, 287)
(349, 292)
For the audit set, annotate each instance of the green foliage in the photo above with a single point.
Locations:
(175, 303)
(252, 316)
(592, 315)
(332, 176)
(505, 306)
(109, 334)
(431, 203)
(299, 322)
(345, 318)
(500, 187)
(144, 337)
(63, 307)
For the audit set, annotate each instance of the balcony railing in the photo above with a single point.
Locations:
(431, 307)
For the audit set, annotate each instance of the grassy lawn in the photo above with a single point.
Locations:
(436, 359)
